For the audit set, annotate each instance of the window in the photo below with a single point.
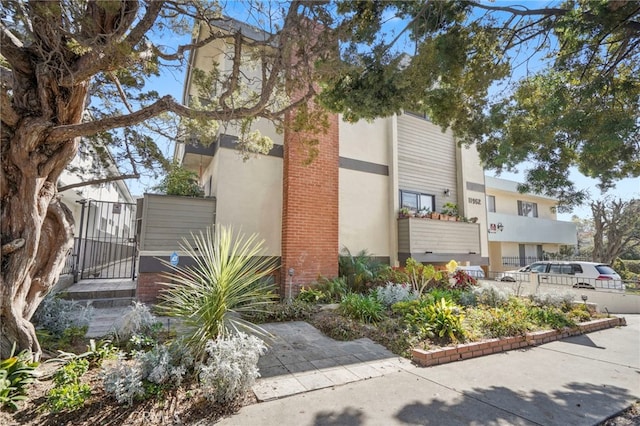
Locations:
(417, 114)
(491, 203)
(538, 267)
(528, 209)
(415, 201)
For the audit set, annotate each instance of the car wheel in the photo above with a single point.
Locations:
(508, 279)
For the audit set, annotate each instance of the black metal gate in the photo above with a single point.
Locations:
(107, 247)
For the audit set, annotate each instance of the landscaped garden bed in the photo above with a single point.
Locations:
(145, 375)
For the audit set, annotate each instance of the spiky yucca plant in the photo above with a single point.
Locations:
(230, 277)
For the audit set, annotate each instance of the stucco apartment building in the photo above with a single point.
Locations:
(522, 228)
(349, 196)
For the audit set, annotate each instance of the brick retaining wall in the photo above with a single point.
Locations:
(427, 358)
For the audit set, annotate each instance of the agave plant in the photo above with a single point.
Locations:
(230, 277)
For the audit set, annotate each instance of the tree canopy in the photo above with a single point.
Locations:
(555, 86)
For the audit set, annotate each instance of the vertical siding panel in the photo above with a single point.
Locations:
(426, 159)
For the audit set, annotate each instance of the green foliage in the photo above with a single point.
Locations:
(16, 373)
(465, 48)
(579, 313)
(490, 295)
(360, 270)
(312, 295)
(296, 310)
(421, 277)
(229, 278)
(180, 181)
(552, 317)
(334, 289)
(409, 306)
(392, 275)
(365, 308)
(69, 393)
(499, 322)
(441, 318)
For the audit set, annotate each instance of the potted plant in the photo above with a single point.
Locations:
(424, 212)
(405, 212)
(450, 211)
(435, 215)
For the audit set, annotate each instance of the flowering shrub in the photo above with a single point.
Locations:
(231, 367)
(394, 293)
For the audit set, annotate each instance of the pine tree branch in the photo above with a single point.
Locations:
(98, 181)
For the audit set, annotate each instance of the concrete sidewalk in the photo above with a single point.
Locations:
(581, 380)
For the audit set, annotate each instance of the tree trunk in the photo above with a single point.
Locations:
(31, 211)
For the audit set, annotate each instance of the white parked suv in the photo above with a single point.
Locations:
(589, 275)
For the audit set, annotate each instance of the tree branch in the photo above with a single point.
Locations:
(98, 181)
(12, 50)
(10, 117)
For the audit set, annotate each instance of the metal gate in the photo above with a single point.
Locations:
(107, 247)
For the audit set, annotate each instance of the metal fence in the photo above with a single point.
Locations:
(516, 261)
(565, 280)
(70, 263)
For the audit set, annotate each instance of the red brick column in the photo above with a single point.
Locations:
(310, 209)
(149, 287)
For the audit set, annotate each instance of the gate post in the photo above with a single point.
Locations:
(76, 263)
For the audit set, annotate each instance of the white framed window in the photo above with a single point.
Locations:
(527, 208)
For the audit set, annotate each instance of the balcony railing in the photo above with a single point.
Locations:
(528, 260)
(428, 240)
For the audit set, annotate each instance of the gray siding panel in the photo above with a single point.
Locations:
(426, 159)
(426, 236)
(167, 220)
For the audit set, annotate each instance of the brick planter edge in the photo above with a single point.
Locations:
(427, 358)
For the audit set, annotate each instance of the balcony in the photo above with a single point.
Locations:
(437, 241)
(196, 156)
(532, 230)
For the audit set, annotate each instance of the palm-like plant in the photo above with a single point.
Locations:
(230, 277)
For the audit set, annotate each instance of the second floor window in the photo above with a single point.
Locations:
(416, 201)
(491, 203)
(528, 209)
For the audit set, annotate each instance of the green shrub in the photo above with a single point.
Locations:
(441, 319)
(365, 308)
(409, 306)
(579, 313)
(552, 317)
(16, 373)
(388, 274)
(360, 271)
(422, 277)
(69, 393)
(180, 181)
(334, 289)
(296, 310)
(499, 322)
(227, 280)
(311, 295)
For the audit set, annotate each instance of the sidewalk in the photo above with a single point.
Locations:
(581, 380)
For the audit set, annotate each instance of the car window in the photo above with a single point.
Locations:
(577, 269)
(605, 269)
(538, 267)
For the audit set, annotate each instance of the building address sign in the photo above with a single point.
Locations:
(477, 201)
